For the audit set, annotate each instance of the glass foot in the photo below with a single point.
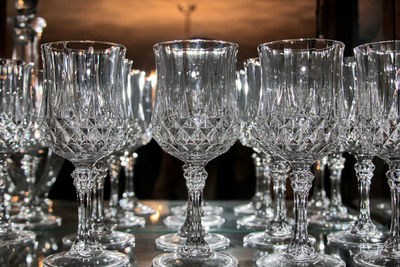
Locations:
(267, 242)
(138, 208)
(15, 237)
(141, 209)
(253, 222)
(244, 209)
(283, 260)
(373, 239)
(113, 240)
(102, 259)
(271, 242)
(125, 220)
(376, 258)
(331, 223)
(207, 210)
(176, 221)
(171, 242)
(35, 221)
(217, 259)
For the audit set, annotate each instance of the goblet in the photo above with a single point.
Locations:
(16, 96)
(262, 161)
(83, 120)
(142, 92)
(378, 66)
(362, 232)
(122, 212)
(336, 217)
(33, 170)
(195, 119)
(297, 121)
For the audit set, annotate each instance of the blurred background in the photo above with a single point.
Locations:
(139, 24)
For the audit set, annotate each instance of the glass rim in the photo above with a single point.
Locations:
(225, 44)
(364, 47)
(63, 44)
(17, 62)
(254, 60)
(301, 40)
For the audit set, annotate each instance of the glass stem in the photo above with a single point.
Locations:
(279, 225)
(301, 181)
(265, 205)
(364, 170)
(29, 164)
(336, 165)
(195, 246)
(392, 245)
(4, 202)
(259, 176)
(85, 244)
(114, 167)
(98, 210)
(129, 193)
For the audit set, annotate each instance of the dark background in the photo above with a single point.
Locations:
(138, 24)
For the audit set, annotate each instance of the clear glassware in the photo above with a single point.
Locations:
(319, 201)
(195, 119)
(262, 202)
(122, 211)
(33, 170)
(207, 209)
(296, 120)
(103, 230)
(336, 216)
(83, 119)
(26, 33)
(378, 103)
(362, 233)
(17, 98)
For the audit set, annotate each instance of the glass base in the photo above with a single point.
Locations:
(267, 242)
(101, 259)
(207, 210)
(271, 242)
(171, 242)
(253, 222)
(244, 209)
(354, 240)
(15, 237)
(283, 260)
(139, 208)
(35, 221)
(376, 258)
(176, 221)
(125, 220)
(331, 223)
(217, 259)
(113, 240)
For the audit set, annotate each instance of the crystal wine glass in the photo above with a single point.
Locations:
(362, 233)
(104, 233)
(336, 216)
(33, 170)
(296, 120)
(195, 119)
(248, 106)
(378, 103)
(16, 96)
(83, 120)
(141, 93)
(140, 100)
